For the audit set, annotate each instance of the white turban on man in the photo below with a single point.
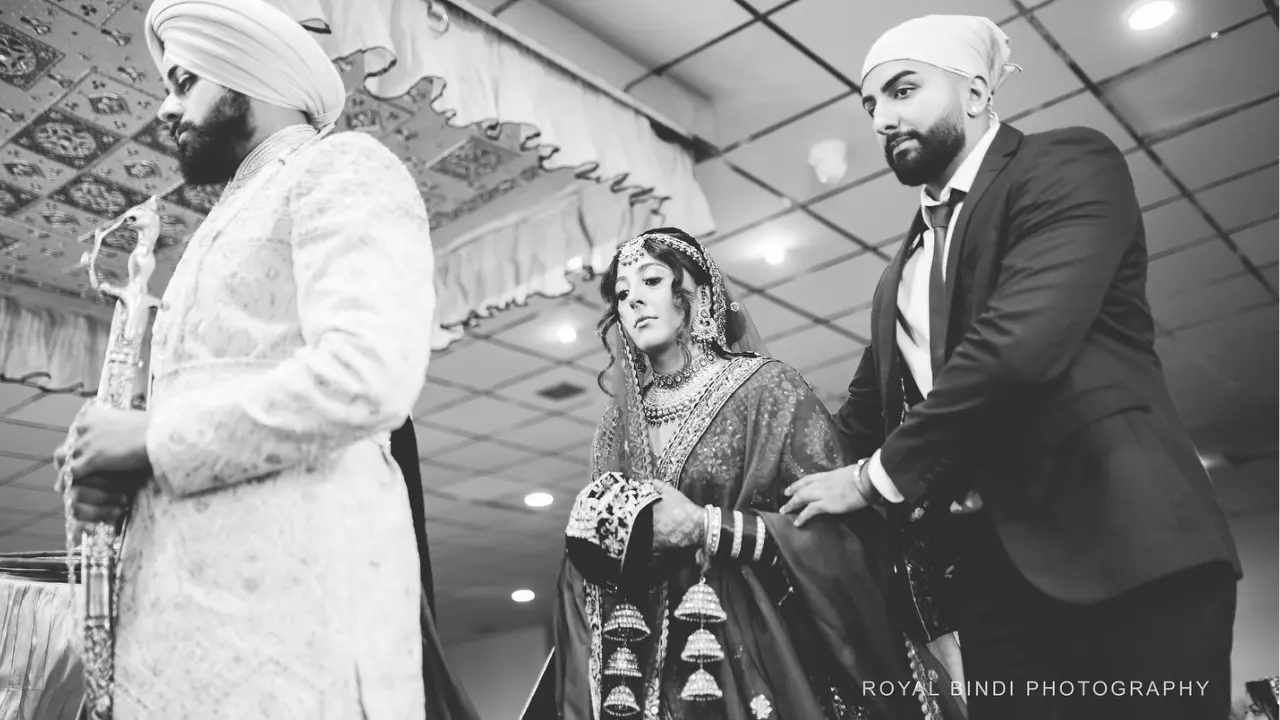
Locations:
(966, 45)
(250, 47)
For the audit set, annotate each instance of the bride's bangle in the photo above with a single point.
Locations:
(711, 521)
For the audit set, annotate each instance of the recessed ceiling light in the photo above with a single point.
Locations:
(775, 255)
(1214, 35)
(522, 596)
(538, 499)
(567, 334)
(1150, 15)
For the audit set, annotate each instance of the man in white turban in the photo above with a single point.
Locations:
(270, 569)
(1012, 415)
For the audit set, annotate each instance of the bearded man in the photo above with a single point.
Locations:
(270, 568)
(1012, 414)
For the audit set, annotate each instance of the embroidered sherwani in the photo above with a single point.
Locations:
(270, 570)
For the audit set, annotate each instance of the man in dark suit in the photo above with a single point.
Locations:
(1013, 417)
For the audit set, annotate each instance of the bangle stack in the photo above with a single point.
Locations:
(734, 535)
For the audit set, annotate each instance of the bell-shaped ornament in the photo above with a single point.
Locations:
(701, 687)
(702, 647)
(626, 624)
(621, 701)
(700, 605)
(623, 663)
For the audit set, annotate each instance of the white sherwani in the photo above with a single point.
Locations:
(271, 570)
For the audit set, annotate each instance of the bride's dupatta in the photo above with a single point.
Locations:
(804, 631)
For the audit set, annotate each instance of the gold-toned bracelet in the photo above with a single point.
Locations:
(760, 536)
(737, 534)
(714, 546)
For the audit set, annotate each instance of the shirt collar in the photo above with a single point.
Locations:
(963, 179)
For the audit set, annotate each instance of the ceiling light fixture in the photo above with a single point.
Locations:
(567, 334)
(1151, 15)
(523, 596)
(538, 499)
(775, 255)
(828, 161)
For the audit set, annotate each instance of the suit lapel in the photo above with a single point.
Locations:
(884, 336)
(1003, 147)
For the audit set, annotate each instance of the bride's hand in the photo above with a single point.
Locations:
(677, 522)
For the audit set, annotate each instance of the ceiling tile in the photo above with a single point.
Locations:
(842, 32)
(548, 433)
(483, 365)
(1272, 274)
(433, 439)
(1206, 302)
(482, 456)
(1208, 79)
(41, 477)
(644, 31)
(541, 471)
(804, 241)
(1245, 200)
(22, 542)
(24, 440)
(1174, 225)
(12, 394)
(1044, 76)
(15, 498)
(1149, 182)
(1260, 243)
(590, 412)
(781, 158)
(1081, 110)
(543, 335)
(53, 526)
(734, 200)
(755, 79)
(811, 348)
(488, 488)
(435, 476)
(1190, 268)
(526, 391)
(435, 397)
(486, 415)
(1204, 155)
(858, 323)
(1097, 35)
(11, 467)
(56, 409)
(874, 211)
(835, 289)
(771, 319)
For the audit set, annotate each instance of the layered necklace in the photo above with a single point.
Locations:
(669, 397)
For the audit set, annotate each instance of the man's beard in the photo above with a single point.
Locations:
(212, 151)
(935, 150)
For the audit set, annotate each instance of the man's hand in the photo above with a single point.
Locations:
(104, 498)
(677, 522)
(832, 493)
(106, 441)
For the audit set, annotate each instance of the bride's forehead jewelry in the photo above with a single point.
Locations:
(631, 251)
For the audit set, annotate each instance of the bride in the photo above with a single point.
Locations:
(684, 593)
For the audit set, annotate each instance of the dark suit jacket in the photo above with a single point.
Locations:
(1052, 402)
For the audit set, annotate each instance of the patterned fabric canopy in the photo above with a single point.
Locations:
(500, 171)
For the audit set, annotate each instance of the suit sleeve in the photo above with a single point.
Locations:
(1071, 222)
(363, 271)
(860, 420)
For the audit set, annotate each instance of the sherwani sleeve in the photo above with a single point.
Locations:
(363, 271)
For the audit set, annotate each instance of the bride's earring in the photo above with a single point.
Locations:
(704, 327)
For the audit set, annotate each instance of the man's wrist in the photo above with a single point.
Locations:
(862, 481)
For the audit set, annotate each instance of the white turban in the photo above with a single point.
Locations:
(250, 47)
(966, 45)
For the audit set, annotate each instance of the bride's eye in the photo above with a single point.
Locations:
(652, 281)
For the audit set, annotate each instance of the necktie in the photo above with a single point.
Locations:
(940, 219)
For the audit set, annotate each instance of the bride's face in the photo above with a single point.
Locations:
(647, 308)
